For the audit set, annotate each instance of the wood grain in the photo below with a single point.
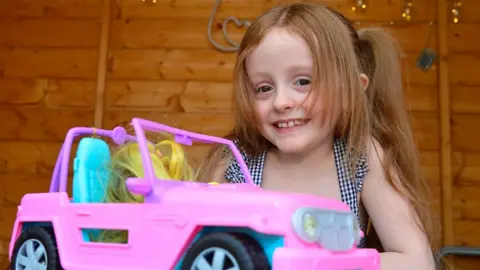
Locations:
(48, 93)
(35, 157)
(206, 65)
(466, 234)
(465, 99)
(460, 37)
(52, 125)
(78, 9)
(202, 65)
(162, 67)
(41, 124)
(470, 14)
(465, 132)
(15, 186)
(190, 34)
(465, 204)
(198, 96)
(48, 62)
(162, 96)
(425, 130)
(207, 123)
(250, 9)
(37, 33)
(466, 169)
(464, 69)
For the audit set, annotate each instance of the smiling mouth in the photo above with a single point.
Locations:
(290, 123)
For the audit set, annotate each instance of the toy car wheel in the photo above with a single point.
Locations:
(225, 251)
(35, 249)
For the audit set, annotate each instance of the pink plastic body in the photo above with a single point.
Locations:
(161, 229)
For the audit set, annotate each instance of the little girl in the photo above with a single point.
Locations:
(319, 110)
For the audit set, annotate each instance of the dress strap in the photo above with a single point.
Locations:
(361, 172)
(255, 166)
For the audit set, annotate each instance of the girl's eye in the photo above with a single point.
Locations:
(263, 89)
(302, 82)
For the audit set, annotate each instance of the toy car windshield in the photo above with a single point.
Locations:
(183, 137)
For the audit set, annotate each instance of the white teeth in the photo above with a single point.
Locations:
(290, 123)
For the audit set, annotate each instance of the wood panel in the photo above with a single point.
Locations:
(465, 120)
(205, 65)
(250, 9)
(460, 62)
(48, 67)
(190, 34)
(41, 124)
(49, 93)
(470, 14)
(216, 97)
(162, 67)
(56, 33)
(48, 62)
(76, 9)
(461, 40)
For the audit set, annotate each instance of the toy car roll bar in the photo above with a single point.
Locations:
(119, 135)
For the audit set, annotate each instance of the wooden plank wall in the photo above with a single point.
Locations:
(464, 66)
(48, 59)
(162, 67)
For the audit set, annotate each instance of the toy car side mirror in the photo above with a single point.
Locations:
(139, 186)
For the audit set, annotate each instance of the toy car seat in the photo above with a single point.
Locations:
(90, 175)
(90, 171)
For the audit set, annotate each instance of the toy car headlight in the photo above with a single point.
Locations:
(333, 230)
(306, 226)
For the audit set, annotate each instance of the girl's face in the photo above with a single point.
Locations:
(280, 72)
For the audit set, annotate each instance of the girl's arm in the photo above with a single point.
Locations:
(406, 246)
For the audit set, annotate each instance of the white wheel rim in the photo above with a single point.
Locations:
(215, 258)
(31, 255)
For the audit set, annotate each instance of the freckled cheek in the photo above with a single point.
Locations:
(314, 106)
(263, 110)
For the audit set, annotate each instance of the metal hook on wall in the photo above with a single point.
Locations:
(240, 23)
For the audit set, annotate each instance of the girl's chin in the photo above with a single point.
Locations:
(291, 146)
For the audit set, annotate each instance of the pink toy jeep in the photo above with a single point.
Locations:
(181, 225)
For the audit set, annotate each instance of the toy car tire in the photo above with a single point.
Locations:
(241, 251)
(39, 237)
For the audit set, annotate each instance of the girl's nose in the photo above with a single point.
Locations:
(283, 102)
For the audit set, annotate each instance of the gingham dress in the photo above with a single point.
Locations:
(350, 185)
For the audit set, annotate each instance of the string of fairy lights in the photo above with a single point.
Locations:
(406, 10)
(457, 5)
(361, 5)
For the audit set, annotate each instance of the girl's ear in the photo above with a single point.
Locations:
(364, 80)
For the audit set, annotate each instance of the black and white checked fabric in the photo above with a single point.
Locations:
(350, 185)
